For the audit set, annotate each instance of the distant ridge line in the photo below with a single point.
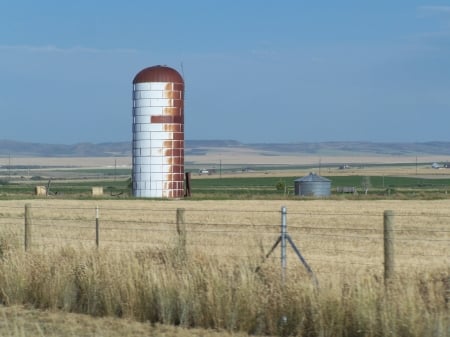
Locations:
(111, 149)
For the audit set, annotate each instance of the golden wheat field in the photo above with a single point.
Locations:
(207, 269)
(334, 235)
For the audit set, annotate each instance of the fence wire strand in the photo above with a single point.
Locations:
(256, 231)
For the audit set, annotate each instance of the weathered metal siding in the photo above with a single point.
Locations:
(312, 185)
(158, 133)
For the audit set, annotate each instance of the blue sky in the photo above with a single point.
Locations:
(255, 71)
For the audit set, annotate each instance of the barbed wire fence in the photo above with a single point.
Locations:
(330, 242)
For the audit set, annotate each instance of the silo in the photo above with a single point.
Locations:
(312, 185)
(158, 133)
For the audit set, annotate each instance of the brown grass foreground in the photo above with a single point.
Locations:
(166, 286)
(19, 321)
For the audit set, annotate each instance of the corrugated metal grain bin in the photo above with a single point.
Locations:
(312, 185)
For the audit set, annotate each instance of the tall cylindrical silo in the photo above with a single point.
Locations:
(158, 133)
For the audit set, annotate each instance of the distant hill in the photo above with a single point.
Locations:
(198, 147)
(24, 149)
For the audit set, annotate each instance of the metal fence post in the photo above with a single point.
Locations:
(28, 224)
(97, 229)
(181, 230)
(283, 245)
(389, 263)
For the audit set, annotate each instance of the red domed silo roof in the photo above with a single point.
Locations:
(158, 74)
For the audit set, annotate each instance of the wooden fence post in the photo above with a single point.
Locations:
(187, 192)
(389, 263)
(28, 224)
(97, 229)
(181, 230)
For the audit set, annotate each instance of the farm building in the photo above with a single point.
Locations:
(312, 185)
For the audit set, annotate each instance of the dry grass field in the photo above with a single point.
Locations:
(207, 275)
(333, 234)
(142, 271)
(231, 156)
(17, 321)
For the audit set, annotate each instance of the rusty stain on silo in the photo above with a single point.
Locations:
(158, 133)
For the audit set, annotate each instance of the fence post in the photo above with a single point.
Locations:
(389, 263)
(181, 230)
(97, 231)
(28, 224)
(283, 245)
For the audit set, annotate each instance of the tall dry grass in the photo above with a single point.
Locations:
(215, 285)
(202, 291)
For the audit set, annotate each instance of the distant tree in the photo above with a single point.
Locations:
(280, 186)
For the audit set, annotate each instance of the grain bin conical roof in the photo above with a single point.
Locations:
(312, 177)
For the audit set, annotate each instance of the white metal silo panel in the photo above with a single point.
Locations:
(156, 151)
(137, 151)
(157, 176)
(156, 193)
(139, 103)
(142, 119)
(145, 168)
(158, 85)
(159, 185)
(155, 168)
(156, 160)
(152, 110)
(138, 127)
(142, 138)
(145, 160)
(155, 135)
(137, 144)
(156, 185)
(162, 102)
(151, 94)
(138, 136)
(166, 168)
(137, 176)
(144, 128)
(163, 135)
(146, 193)
(145, 151)
(142, 86)
(157, 143)
(156, 127)
(156, 110)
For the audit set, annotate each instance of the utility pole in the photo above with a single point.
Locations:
(115, 168)
(9, 166)
(416, 165)
(320, 164)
